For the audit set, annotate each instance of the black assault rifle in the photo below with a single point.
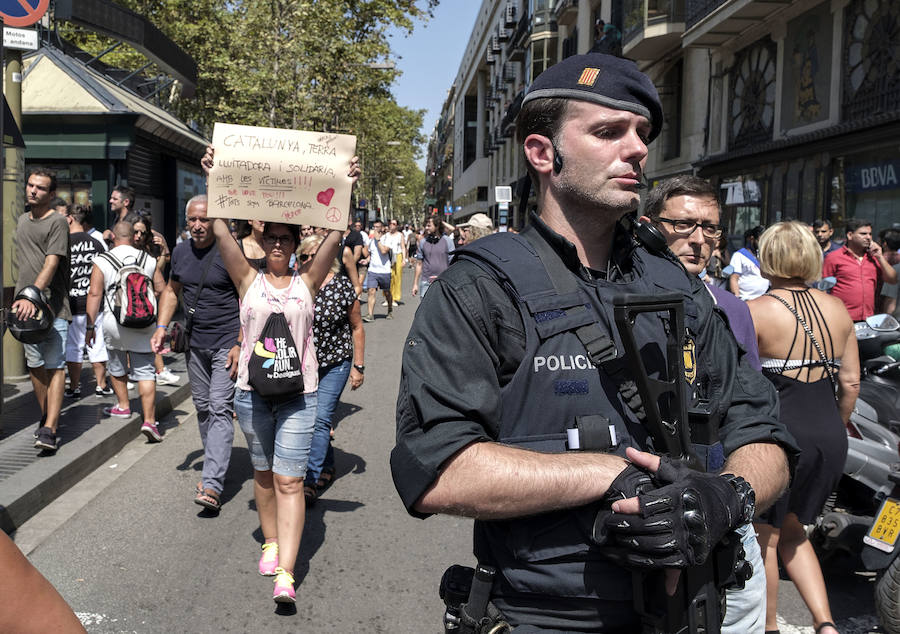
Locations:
(697, 606)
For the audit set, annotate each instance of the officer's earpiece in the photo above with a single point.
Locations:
(557, 160)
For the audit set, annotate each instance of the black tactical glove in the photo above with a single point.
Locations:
(679, 523)
(631, 482)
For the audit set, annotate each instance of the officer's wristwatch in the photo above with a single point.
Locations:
(360, 368)
(746, 495)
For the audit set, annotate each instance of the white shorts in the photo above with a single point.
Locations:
(75, 341)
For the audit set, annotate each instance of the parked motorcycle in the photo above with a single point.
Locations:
(862, 516)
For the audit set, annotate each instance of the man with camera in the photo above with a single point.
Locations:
(517, 403)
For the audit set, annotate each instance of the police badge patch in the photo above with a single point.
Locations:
(690, 359)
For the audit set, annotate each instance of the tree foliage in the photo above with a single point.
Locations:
(300, 64)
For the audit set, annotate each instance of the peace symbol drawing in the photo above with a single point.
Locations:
(333, 214)
(22, 12)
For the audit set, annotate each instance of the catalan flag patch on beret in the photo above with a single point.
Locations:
(610, 81)
(588, 76)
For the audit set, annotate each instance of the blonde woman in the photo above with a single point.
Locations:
(808, 350)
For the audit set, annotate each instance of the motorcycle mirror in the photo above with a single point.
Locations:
(882, 323)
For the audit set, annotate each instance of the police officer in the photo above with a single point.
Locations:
(497, 373)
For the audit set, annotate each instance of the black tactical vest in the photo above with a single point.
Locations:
(552, 554)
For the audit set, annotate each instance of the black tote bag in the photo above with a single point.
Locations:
(275, 367)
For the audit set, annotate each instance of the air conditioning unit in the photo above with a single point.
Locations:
(509, 18)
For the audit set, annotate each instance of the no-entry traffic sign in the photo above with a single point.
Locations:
(22, 12)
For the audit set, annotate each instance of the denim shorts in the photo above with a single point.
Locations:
(278, 433)
(142, 368)
(50, 353)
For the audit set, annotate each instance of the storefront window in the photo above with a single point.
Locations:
(73, 181)
(743, 204)
(871, 187)
(190, 182)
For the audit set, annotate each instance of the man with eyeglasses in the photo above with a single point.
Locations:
(686, 212)
(199, 277)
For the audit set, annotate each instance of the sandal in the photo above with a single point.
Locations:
(310, 495)
(325, 478)
(209, 500)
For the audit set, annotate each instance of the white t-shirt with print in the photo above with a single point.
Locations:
(751, 283)
(394, 241)
(378, 262)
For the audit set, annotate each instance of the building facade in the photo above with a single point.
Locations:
(792, 108)
(472, 150)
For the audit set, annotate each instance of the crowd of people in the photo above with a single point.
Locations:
(273, 332)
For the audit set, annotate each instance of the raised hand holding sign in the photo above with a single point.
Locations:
(288, 176)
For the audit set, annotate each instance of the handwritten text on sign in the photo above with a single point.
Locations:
(281, 175)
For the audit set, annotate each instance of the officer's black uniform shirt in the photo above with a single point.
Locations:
(467, 341)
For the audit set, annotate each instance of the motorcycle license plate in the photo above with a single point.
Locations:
(885, 529)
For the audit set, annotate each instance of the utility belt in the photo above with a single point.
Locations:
(697, 605)
(466, 593)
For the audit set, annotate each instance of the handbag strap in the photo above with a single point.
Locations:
(210, 257)
(809, 333)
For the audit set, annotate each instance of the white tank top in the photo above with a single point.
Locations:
(260, 301)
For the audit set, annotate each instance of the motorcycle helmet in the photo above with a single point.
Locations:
(893, 351)
(34, 329)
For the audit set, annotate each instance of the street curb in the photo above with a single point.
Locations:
(27, 492)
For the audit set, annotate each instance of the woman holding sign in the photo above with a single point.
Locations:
(275, 398)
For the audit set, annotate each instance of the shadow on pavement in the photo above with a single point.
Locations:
(239, 471)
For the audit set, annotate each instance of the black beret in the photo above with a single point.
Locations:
(610, 81)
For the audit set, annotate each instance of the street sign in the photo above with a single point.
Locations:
(503, 193)
(22, 12)
(21, 39)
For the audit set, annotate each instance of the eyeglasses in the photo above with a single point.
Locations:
(283, 239)
(303, 257)
(687, 227)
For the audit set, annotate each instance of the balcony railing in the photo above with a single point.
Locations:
(640, 14)
(565, 11)
(696, 10)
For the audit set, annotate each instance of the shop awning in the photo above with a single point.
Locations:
(58, 86)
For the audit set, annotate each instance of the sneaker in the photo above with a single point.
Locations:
(116, 412)
(46, 440)
(284, 587)
(368, 319)
(390, 315)
(37, 430)
(70, 393)
(268, 563)
(167, 377)
(151, 431)
(103, 391)
(384, 303)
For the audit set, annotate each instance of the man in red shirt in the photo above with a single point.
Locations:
(859, 268)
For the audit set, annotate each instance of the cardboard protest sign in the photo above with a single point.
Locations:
(287, 176)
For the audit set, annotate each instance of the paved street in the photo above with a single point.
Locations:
(130, 551)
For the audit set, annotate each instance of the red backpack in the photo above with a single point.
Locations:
(131, 299)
